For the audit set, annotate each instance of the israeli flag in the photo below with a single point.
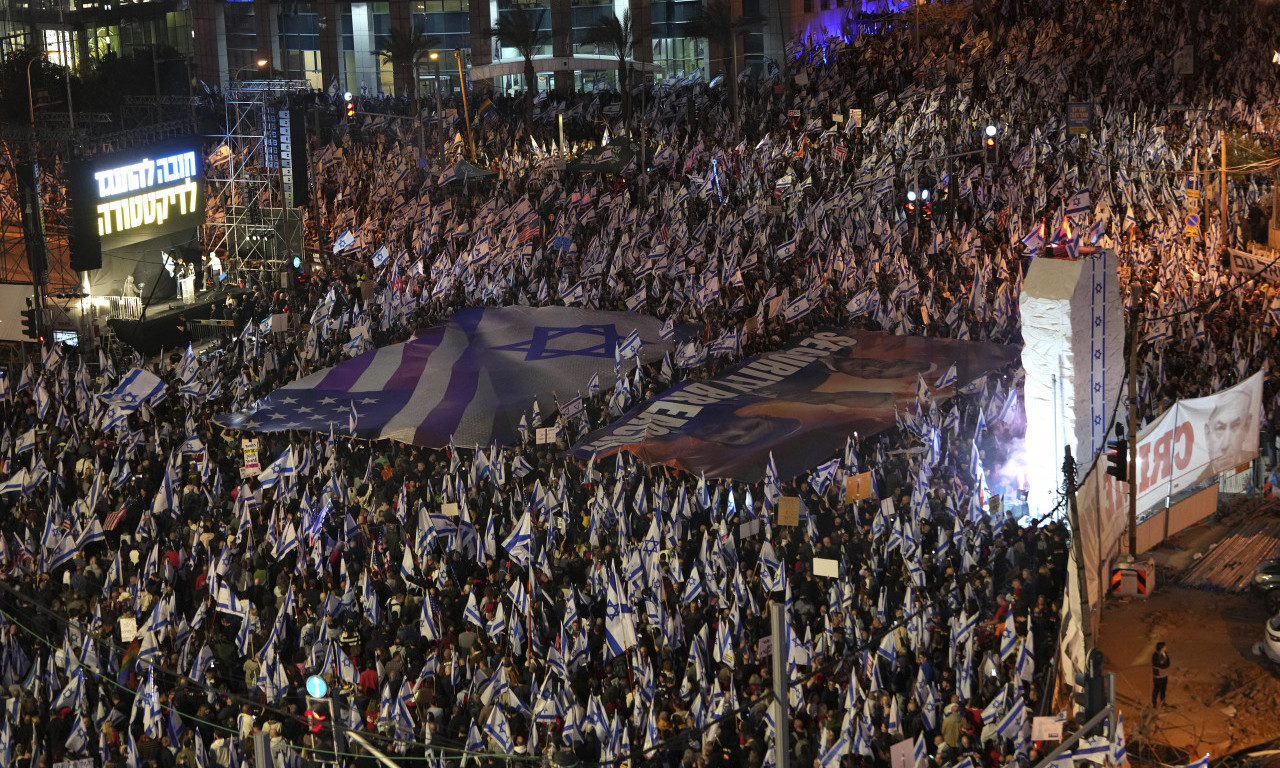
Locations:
(823, 475)
(1079, 203)
(947, 379)
(1035, 240)
(344, 241)
(861, 303)
(137, 387)
(787, 250)
(798, 308)
(381, 257)
(519, 544)
(668, 331)
(499, 729)
(630, 347)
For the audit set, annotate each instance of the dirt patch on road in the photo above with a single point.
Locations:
(1222, 697)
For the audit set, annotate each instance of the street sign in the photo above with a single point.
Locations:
(317, 688)
(1193, 188)
(1193, 225)
(1079, 118)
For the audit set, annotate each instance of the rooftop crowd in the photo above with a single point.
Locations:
(159, 610)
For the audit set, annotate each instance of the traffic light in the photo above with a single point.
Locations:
(926, 205)
(993, 151)
(910, 206)
(1094, 684)
(30, 326)
(351, 106)
(317, 715)
(299, 271)
(1118, 459)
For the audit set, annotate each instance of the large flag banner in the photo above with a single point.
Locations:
(800, 403)
(470, 380)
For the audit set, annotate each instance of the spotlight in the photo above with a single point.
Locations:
(911, 195)
(991, 130)
(924, 194)
(297, 262)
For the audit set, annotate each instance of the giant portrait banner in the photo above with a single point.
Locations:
(1193, 441)
(469, 381)
(800, 403)
(1197, 439)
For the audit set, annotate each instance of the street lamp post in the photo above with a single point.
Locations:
(435, 63)
(260, 64)
(466, 113)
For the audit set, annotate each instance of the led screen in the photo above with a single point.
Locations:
(143, 193)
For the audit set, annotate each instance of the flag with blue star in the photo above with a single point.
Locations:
(471, 379)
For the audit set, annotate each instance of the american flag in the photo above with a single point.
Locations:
(528, 233)
(114, 519)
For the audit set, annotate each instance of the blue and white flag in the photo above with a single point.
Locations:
(519, 544)
(798, 308)
(471, 379)
(668, 330)
(947, 379)
(344, 241)
(620, 626)
(1119, 747)
(1013, 725)
(499, 729)
(137, 387)
(1079, 203)
(823, 475)
(630, 347)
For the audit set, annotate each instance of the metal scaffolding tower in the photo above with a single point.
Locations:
(248, 220)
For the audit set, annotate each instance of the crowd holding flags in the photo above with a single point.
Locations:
(626, 600)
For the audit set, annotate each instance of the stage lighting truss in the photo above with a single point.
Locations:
(241, 185)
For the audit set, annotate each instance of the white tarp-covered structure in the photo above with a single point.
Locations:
(1073, 331)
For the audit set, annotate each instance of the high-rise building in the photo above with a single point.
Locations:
(336, 41)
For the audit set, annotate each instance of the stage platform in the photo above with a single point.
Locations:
(158, 328)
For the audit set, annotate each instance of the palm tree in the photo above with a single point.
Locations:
(618, 35)
(716, 24)
(405, 50)
(522, 30)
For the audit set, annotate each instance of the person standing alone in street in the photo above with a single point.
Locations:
(1159, 674)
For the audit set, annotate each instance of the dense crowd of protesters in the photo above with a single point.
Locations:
(160, 610)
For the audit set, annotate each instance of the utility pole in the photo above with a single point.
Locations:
(466, 114)
(1275, 201)
(1135, 329)
(1222, 196)
(1077, 546)
(778, 627)
(435, 62)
